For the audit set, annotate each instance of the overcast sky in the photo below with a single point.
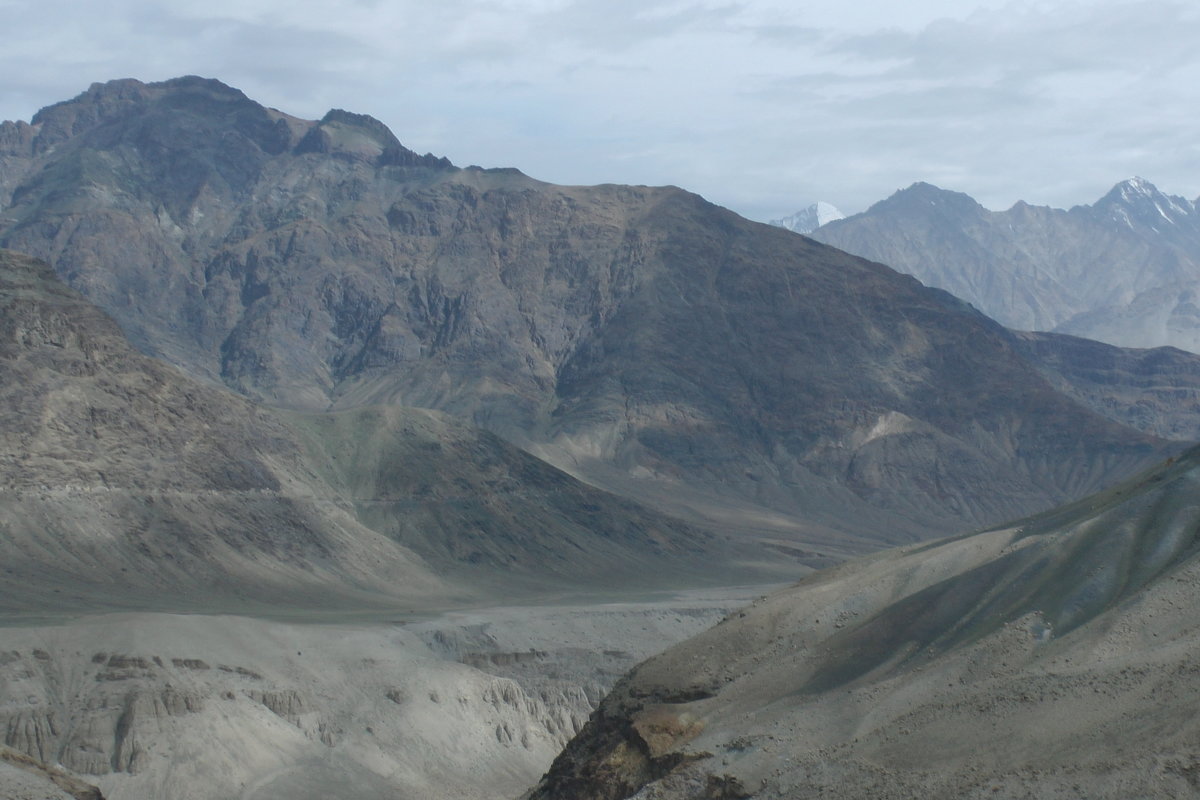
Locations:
(758, 105)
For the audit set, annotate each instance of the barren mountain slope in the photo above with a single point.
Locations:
(1125, 270)
(129, 485)
(1056, 658)
(642, 338)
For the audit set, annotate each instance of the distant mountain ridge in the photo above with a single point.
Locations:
(1125, 270)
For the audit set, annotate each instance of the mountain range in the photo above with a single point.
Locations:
(642, 339)
(272, 386)
(1124, 270)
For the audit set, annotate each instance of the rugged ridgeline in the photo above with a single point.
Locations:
(642, 338)
(1057, 658)
(1125, 270)
(129, 485)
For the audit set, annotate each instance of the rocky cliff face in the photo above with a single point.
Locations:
(1054, 658)
(1122, 270)
(642, 338)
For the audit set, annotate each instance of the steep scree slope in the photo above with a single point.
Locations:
(1055, 658)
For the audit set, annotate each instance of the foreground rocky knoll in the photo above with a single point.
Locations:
(1054, 658)
(642, 338)
(1122, 270)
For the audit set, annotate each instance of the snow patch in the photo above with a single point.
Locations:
(890, 424)
(811, 218)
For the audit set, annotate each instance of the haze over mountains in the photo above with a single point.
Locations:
(1123, 270)
(641, 338)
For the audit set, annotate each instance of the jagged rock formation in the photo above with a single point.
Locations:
(657, 345)
(1125, 270)
(342, 708)
(1057, 657)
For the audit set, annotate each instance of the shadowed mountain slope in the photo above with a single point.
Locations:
(1156, 390)
(641, 338)
(1125, 270)
(1053, 658)
(129, 485)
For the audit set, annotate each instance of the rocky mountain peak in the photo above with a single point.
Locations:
(190, 107)
(1137, 202)
(921, 194)
(638, 335)
(101, 102)
(1120, 270)
(362, 137)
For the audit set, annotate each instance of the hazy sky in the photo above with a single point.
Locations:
(760, 106)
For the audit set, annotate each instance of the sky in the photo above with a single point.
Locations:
(760, 106)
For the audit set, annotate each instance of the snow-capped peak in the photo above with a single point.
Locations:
(1137, 201)
(811, 218)
(1136, 186)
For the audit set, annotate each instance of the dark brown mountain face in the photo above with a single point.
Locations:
(639, 337)
(1122, 270)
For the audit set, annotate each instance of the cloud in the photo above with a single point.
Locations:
(761, 105)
